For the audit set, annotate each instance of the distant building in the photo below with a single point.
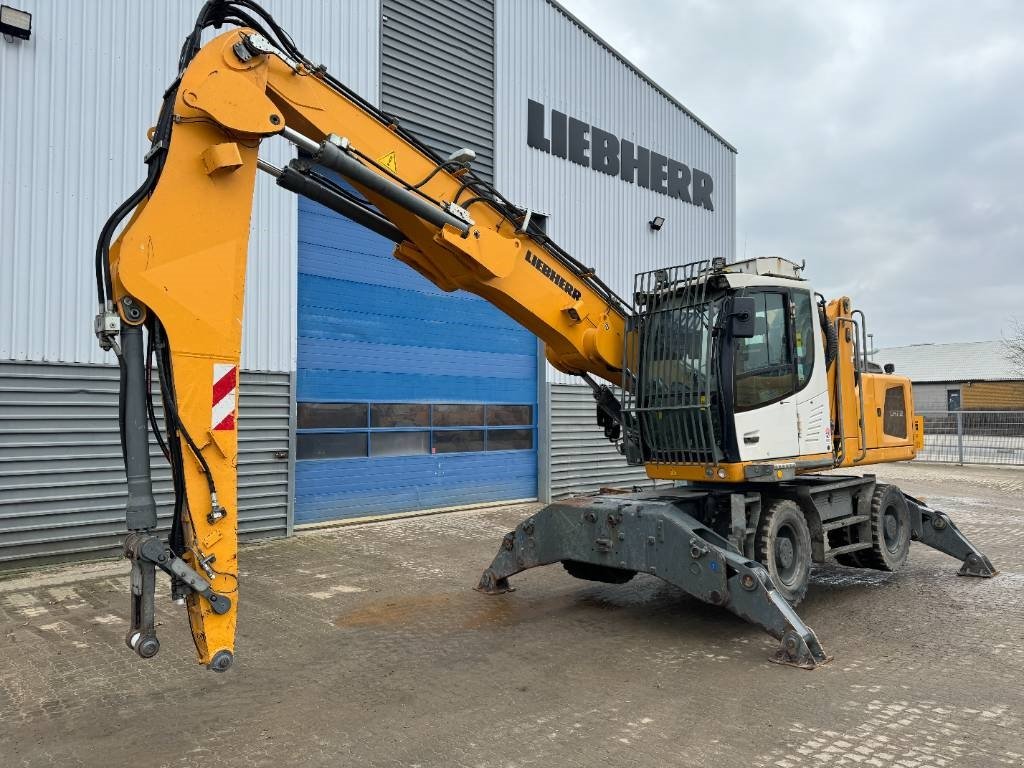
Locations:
(969, 376)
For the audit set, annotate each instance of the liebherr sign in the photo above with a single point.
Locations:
(589, 146)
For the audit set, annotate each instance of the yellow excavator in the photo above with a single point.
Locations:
(735, 379)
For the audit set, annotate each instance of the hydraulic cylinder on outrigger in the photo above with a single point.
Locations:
(611, 537)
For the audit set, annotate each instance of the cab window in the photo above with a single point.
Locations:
(803, 326)
(764, 362)
(894, 422)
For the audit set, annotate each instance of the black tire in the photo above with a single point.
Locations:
(602, 573)
(784, 548)
(890, 530)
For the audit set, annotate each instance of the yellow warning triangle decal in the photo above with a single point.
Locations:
(389, 162)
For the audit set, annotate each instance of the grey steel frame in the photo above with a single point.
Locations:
(675, 425)
(654, 533)
(662, 533)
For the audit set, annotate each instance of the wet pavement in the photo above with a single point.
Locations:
(367, 646)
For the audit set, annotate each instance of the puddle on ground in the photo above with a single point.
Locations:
(458, 611)
(470, 610)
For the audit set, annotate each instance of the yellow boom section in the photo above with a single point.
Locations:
(182, 259)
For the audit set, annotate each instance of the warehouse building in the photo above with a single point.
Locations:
(967, 376)
(365, 390)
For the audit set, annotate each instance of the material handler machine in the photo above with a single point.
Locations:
(736, 380)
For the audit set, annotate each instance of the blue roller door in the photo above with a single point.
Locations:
(408, 397)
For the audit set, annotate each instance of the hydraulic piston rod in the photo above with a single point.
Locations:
(330, 155)
(141, 507)
(297, 178)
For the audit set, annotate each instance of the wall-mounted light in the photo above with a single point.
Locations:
(657, 223)
(15, 23)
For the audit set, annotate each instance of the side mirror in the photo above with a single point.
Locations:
(744, 311)
(889, 368)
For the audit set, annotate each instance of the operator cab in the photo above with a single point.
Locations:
(727, 366)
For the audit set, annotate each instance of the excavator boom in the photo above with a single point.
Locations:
(736, 379)
(178, 270)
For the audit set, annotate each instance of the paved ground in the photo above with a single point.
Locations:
(366, 647)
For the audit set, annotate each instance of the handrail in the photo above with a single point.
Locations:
(860, 387)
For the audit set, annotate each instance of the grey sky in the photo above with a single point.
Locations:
(882, 142)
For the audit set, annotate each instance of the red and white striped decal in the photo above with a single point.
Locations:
(225, 395)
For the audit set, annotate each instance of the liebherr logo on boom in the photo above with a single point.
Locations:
(553, 276)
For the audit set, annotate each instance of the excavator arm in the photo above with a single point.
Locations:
(177, 270)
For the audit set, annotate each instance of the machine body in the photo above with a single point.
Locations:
(734, 377)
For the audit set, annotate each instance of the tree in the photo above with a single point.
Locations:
(1014, 343)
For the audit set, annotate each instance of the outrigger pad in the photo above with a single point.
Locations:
(977, 565)
(655, 533)
(795, 651)
(938, 531)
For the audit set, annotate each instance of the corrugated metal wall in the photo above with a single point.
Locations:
(62, 485)
(993, 396)
(582, 459)
(373, 330)
(437, 73)
(77, 100)
(931, 397)
(546, 56)
(603, 221)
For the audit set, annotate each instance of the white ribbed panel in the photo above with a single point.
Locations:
(77, 100)
(602, 220)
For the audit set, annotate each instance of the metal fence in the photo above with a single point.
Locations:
(973, 437)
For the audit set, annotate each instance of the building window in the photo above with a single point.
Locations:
(458, 440)
(331, 415)
(358, 430)
(458, 415)
(399, 443)
(330, 445)
(509, 415)
(399, 415)
(952, 399)
(510, 440)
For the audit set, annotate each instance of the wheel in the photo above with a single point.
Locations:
(890, 530)
(603, 573)
(784, 548)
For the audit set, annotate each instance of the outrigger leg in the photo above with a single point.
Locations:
(936, 529)
(656, 536)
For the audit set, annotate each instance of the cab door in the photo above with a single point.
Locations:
(814, 420)
(764, 384)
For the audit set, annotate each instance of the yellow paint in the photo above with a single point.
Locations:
(734, 471)
(182, 256)
(389, 161)
(222, 157)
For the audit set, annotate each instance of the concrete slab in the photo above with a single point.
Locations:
(367, 646)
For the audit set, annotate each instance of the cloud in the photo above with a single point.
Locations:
(882, 142)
